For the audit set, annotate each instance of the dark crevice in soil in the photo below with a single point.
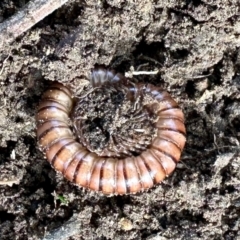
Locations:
(154, 51)
(5, 216)
(216, 77)
(190, 89)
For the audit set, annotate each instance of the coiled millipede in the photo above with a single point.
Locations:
(118, 138)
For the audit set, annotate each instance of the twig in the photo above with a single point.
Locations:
(9, 182)
(32, 13)
(3, 63)
(132, 72)
(198, 76)
(144, 72)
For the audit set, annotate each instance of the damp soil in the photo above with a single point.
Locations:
(195, 47)
(109, 124)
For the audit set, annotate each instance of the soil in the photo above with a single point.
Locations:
(109, 124)
(195, 47)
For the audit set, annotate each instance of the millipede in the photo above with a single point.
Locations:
(118, 137)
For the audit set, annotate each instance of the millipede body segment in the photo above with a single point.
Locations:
(118, 138)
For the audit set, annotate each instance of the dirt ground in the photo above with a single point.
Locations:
(195, 47)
